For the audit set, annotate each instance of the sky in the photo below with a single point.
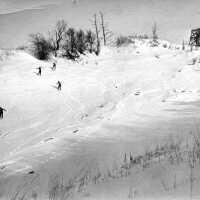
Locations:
(175, 18)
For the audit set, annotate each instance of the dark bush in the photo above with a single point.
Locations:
(80, 41)
(70, 47)
(68, 42)
(90, 40)
(40, 47)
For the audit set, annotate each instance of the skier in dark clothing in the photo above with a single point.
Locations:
(39, 71)
(59, 85)
(54, 66)
(1, 112)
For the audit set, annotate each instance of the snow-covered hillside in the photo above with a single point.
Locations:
(108, 105)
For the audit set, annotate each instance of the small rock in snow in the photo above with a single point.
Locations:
(31, 172)
(75, 131)
(137, 93)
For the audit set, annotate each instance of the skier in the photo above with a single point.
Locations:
(54, 66)
(1, 112)
(39, 71)
(59, 85)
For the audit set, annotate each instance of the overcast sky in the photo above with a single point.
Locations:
(175, 18)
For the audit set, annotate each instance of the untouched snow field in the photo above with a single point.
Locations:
(124, 100)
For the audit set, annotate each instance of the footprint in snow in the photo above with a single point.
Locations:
(31, 172)
(6, 134)
(76, 131)
(84, 116)
(48, 139)
(3, 167)
(100, 117)
(137, 93)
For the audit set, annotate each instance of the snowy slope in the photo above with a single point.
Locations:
(121, 90)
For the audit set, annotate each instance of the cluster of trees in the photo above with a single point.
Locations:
(69, 42)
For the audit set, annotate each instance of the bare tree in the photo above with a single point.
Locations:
(57, 35)
(96, 27)
(80, 41)
(107, 34)
(98, 45)
(90, 40)
(103, 28)
(154, 32)
(123, 40)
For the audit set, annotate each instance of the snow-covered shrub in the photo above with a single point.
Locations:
(164, 45)
(139, 36)
(5, 54)
(22, 48)
(123, 40)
